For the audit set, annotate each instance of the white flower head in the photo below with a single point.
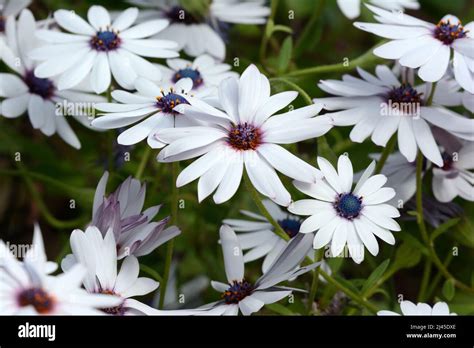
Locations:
(27, 287)
(200, 33)
(152, 108)
(342, 215)
(351, 8)
(96, 49)
(244, 134)
(241, 295)
(380, 106)
(98, 255)
(40, 97)
(420, 44)
(409, 308)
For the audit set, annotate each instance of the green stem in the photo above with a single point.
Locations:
(143, 162)
(170, 246)
(151, 272)
(265, 38)
(318, 255)
(258, 202)
(437, 278)
(293, 85)
(388, 149)
(425, 280)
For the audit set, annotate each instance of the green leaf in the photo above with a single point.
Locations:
(269, 28)
(444, 227)
(346, 283)
(324, 150)
(448, 289)
(285, 55)
(375, 275)
(407, 256)
(282, 28)
(279, 308)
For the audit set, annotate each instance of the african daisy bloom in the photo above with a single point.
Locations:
(28, 289)
(98, 255)
(97, 49)
(380, 106)
(121, 212)
(198, 34)
(341, 215)
(419, 44)
(241, 295)
(40, 97)
(243, 135)
(351, 8)
(151, 108)
(409, 308)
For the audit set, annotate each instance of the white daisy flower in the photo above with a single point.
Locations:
(246, 135)
(341, 215)
(96, 49)
(423, 45)
(28, 289)
(241, 295)
(380, 106)
(409, 308)
(99, 256)
(351, 8)
(24, 91)
(121, 212)
(205, 72)
(198, 34)
(151, 108)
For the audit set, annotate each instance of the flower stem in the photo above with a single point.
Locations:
(265, 38)
(143, 162)
(151, 272)
(170, 246)
(258, 202)
(388, 149)
(293, 85)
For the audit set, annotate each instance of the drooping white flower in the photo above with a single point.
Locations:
(97, 49)
(419, 44)
(342, 215)
(241, 295)
(198, 34)
(244, 134)
(121, 212)
(409, 308)
(27, 288)
(151, 108)
(351, 8)
(98, 255)
(380, 106)
(40, 97)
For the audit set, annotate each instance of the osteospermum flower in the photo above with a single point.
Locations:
(40, 97)
(343, 215)
(199, 33)
(409, 308)
(121, 212)
(96, 49)
(151, 108)
(98, 255)
(28, 289)
(381, 105)
(244, 134)
(351, 8)
(239, 294)
(419, 44)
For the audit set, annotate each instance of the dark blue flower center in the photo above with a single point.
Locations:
(178, 14)
(42, 87)
(166, 102)
(106, 40)
(42, 302)
(447, 32)
(193, 74)
(348, 205)
(290, 226)
(447, 161)
(244, 136)
(237, 291)
(2, 24)
(405, 98)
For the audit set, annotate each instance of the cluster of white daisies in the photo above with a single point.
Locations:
(235, 129)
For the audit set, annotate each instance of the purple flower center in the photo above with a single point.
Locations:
(348, 205)
(193, 74)
(42, 87)
(447, 161)
(167, 102)
(244, 136)
(2, 24)
(290, 226)
(405, 98)
(105, 41)
(119, 310)
(447, 33)
(178, 14)
(237, 291)
(42, 302)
